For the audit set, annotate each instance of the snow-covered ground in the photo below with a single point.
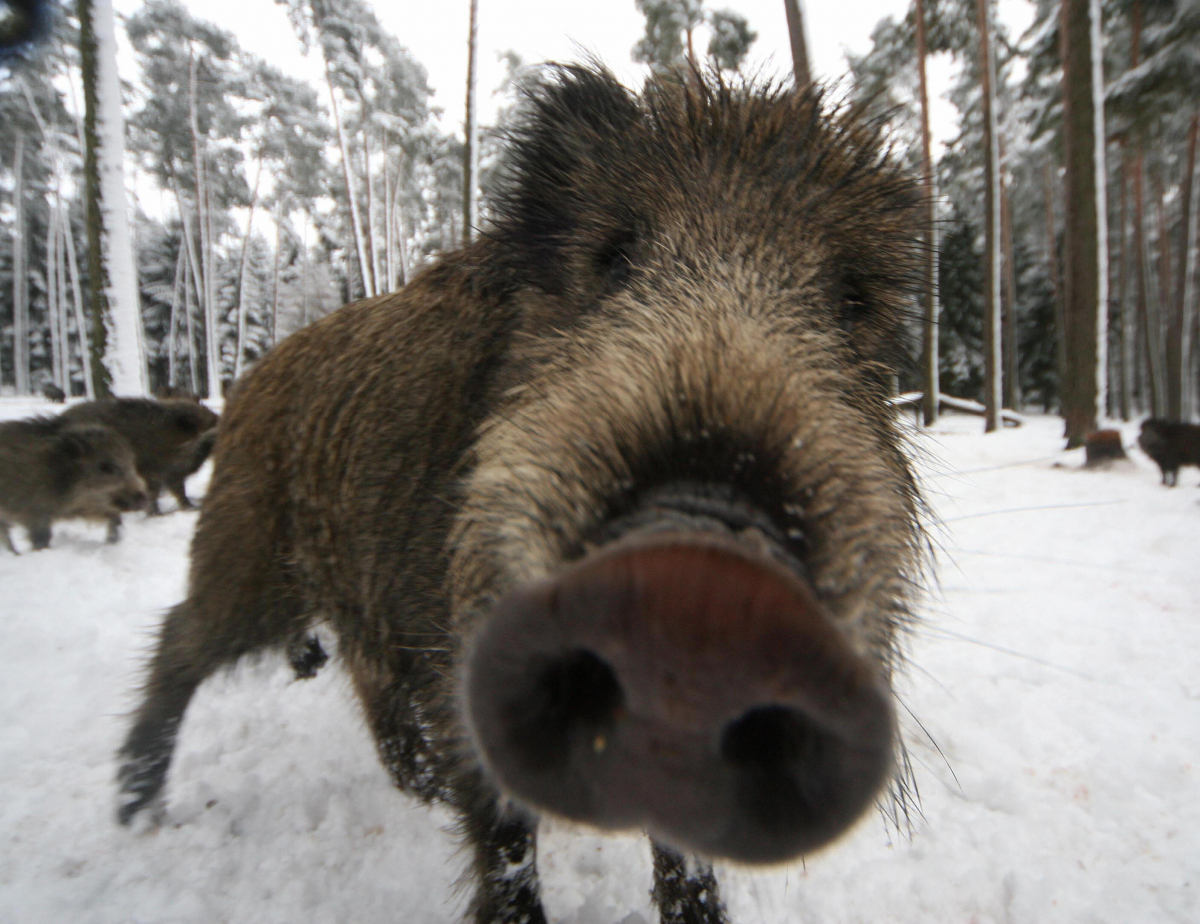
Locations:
(1058, 672)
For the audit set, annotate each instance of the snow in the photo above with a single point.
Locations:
(1056, 672)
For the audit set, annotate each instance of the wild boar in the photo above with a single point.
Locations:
(168, 438)
(1171, 446)
(607, 510)
(53, 470)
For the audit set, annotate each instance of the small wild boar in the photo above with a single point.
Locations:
(176, 391)
(53, 470)
(608, 509)
(170, 438)
(52, 392)
(1171, 445)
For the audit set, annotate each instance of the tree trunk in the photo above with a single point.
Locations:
(1179, 330)
(389, 255)
(304, 275)
(85, 353)
(929, 327)
(992, 231)
(347, 174)
(64, 323)
(275, 273)
(1086, 227)
(1180, 342)
(1011, 377)
(1125, 366)
(173, 324)
(802, 69)
(205, 271)
(241, 307)
(1151, 396)
(117, 362)
(397, 213)
(189, 270)
(53, 312)
(1056, 281)
(402, 249)
(19, 276)
(371, 235)
(471, 152)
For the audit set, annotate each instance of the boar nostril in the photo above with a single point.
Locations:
(572, 696)
(770, 738)
(781, 757)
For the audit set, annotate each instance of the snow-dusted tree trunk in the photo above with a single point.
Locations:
(118, 364)
(372, 237)
(992, 231)
(929, 328)
(241, 306)
(53, 304)
(1124, 367)
(1084, 384)
(1011, 383)
(85, 352)
(206, 271)
(471, 130)
(189, 308)
(347, 174)
(1056, 281)
(1178, 341)
(275, 272)
(801, 68)
(173, 323)
(389, 259)
(20, 282)
(64, 323)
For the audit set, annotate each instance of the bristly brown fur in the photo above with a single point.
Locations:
(702, 283)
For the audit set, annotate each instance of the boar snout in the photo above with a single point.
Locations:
(131, 499)
(687, 683)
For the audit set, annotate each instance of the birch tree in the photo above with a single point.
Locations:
(118, 364)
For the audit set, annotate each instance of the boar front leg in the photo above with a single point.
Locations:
(685, 896)
(505, 867)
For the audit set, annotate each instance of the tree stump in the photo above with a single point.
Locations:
(1102, 447)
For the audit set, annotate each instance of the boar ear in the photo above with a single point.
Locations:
(575, 116)
(185, 421)
(71, 445)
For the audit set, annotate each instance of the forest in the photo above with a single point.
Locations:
(259, 202)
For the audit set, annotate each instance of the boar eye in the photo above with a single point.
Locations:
(852, 304)
(107, 468)
(614, 260)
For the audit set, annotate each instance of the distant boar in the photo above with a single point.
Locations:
(1171, 446)
(51, 470)
(176, 391)
(168, 437)
(608, 509)
(52, 392)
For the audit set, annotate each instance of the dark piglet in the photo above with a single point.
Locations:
(608, 510)
(170, 438)
(53, 470)
(52, 392)
(1171, 446)
(176, 391)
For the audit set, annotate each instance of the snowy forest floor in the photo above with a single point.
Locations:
(1056, 670)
